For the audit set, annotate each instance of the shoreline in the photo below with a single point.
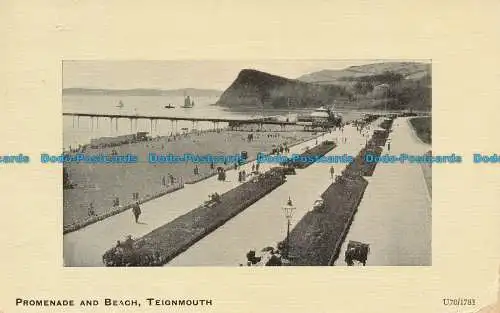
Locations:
(77, 225)
(232, 203)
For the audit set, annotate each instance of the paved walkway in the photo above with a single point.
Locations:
(394, 216)
(263, 223)
(86, 246)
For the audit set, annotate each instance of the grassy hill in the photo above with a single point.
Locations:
(258, 89)
(406, 69)
(397, 85)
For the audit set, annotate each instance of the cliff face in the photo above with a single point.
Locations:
(253, 88)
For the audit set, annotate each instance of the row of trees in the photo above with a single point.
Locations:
(258, 89)
(395, 90)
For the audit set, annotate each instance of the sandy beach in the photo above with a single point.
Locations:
(102, 183)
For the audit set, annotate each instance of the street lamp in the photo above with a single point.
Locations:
(288, 208)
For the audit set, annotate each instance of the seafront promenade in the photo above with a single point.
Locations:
(86, 246)
(394, 217)
(263, 224)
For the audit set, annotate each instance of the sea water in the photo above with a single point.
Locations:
(80, 130)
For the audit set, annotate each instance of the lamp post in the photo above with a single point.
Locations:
(288, 208)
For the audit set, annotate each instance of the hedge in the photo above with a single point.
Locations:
(316, 239)
(166, 242)
(317, 151)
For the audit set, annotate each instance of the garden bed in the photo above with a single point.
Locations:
(387, 124)
(166, 242)
(359, 166)
(379, 137)
(310, 154)
(317, 238)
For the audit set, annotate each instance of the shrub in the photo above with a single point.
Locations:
(166, 242)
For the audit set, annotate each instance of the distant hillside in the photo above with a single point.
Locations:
(193, 92)
(395, 85)
(406, 69)
(253, 88)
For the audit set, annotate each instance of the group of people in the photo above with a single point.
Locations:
(275, 135)
(280, 149)
(136, 210)
(221, 174)
(135, 196)
(270, 257)
(341, 140)
(242, 176)
(215, 197)
(171, 179)
(126, 253)
(255, 167)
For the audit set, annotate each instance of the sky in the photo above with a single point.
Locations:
(176, 74)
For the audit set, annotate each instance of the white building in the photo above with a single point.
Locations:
(320, 115)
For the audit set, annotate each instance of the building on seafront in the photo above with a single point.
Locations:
(320, 115)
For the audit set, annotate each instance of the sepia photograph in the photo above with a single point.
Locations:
(247, 163)
(200, 142)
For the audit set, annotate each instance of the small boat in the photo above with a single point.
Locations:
(120, 104)
(188, 103)
(169, 106)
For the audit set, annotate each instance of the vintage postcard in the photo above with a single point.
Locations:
(208, 172)
(161, 156)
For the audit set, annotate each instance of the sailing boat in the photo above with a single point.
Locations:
(188, 103)
(120, 104)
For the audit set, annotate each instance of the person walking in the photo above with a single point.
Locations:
(332, 172)
(137, 211)
(91, 209)
(389, 146)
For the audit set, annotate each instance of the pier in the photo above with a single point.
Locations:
(261, 120)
